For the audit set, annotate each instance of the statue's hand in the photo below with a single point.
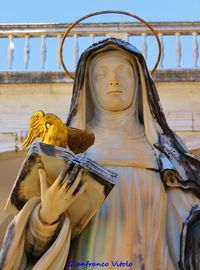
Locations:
(57, 198)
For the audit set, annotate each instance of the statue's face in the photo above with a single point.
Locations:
(112, 81)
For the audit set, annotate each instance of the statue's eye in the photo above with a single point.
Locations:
(125, 71)
(100, 75)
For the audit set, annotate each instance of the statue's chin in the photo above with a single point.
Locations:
(116, 107)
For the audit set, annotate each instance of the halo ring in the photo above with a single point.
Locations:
(108, 12)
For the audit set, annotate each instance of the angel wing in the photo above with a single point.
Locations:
(37, 128)
(79, 140)
(57, 133)
(50, 129)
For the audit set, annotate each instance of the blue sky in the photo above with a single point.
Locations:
(64, 11)
(13, 11)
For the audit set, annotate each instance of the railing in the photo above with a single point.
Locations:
(12, 140)
(32, 47)
(35, 46)
(178, 121)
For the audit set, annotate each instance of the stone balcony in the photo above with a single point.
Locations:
(26, 87)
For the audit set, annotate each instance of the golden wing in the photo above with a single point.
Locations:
(79, 140)
(37, 129)
(57, 133)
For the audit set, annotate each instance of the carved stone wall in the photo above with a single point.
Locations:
(22, 93)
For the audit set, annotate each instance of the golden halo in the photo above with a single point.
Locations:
(107, 12)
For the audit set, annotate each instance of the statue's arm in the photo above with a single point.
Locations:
(46, 219)
(39, 234)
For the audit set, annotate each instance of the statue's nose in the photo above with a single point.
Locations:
(113, 79)
(114, 83)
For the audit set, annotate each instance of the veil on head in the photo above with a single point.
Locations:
(172, 154)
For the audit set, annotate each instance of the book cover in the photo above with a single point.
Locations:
(54, 159)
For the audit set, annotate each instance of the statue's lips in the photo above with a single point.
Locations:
(115, 92)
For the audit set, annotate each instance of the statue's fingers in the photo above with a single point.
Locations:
(43, 182)
(70, 176)
(64, 173)
(73, 174)
(74, 185)
(79, 192)
(59, 183)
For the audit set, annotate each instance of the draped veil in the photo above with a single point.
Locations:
(171, 152)
(178, 168)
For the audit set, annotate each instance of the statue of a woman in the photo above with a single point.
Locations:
(140, 225)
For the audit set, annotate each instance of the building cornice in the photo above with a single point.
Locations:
(161, 75)
(82, 29)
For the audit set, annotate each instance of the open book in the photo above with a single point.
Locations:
(54, 159)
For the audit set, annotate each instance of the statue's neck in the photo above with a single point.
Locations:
(124, 122)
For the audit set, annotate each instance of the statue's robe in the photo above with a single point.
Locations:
(21, 250)
(141, 221)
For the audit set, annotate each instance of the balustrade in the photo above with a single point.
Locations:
(22, 44)
(92, 32)
(178, 121)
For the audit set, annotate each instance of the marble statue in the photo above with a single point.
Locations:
(151, 219)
